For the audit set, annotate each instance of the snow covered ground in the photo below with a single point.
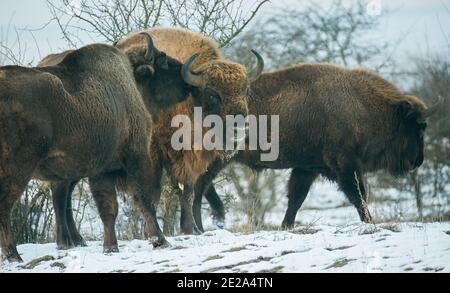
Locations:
(352, 248)
(329, 238)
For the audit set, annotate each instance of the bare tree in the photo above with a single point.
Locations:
(257, 193)
(12, 49)
(32, 216)
(338, 33)
(221, 19)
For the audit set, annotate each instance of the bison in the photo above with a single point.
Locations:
(217, 85)
(337, 122)
(221, 89)
(83, 117)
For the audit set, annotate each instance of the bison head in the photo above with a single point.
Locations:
(409, 142)
(158, 76)
(220, 86)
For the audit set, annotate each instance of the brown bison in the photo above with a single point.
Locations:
(217, 85)
(340, 123)
(81, 117)
(220, 88)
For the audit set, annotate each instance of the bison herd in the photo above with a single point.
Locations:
(104, 112)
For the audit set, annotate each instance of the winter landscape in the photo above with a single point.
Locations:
(328, 238)
(406, 43)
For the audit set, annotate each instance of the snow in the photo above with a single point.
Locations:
(321, 248)
(329, 237)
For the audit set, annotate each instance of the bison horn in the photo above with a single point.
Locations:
(190, 77)
(432, 109)
(150, 53)
(256, 72)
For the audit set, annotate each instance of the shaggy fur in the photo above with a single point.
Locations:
(159, 81)
(187, 44)
(336, 122)
(223, 93)
(81, 117)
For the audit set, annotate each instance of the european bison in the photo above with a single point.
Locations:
(82, 117)
(337, 122)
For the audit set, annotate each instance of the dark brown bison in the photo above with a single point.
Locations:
(217, 85)
(82, 117)
(337, 122)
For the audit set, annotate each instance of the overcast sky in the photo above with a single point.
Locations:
(417, 26)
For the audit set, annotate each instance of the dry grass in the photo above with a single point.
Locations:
(213, 257)
(393, 227)
(338, 263)
(340, 247)
(35, 262)
(235, 249)
(276, 269)
(369, 230)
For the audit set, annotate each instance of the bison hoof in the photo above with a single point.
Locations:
(159, 242)
(219, 222)
(110, 249)
(368, 221)
(287, 225)
(11, 255)
(197, 231)
(64, 244)
(79, 242)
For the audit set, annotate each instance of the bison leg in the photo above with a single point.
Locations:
(187, 222)
(104, 193)
(73, 230)
(351, 183)
(144, 183)
(204, 186)
(60, 197)
(9, 250)
(10, 192)
(148, 205)
(67, 235)
(298, 187)
(217, 207)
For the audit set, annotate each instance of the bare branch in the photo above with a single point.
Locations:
(222, 20)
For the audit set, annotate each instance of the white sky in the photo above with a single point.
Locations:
(415, 26)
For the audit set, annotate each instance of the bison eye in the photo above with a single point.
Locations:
(212, 97)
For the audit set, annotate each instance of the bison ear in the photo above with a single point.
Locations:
(143, 71)
(408, 111)
(162, 61)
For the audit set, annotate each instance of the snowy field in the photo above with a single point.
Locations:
(407, 247)
(328, 238)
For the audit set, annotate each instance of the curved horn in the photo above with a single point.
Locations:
(150, 53)
(190, 77)
(432, 109)
(256, 72)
